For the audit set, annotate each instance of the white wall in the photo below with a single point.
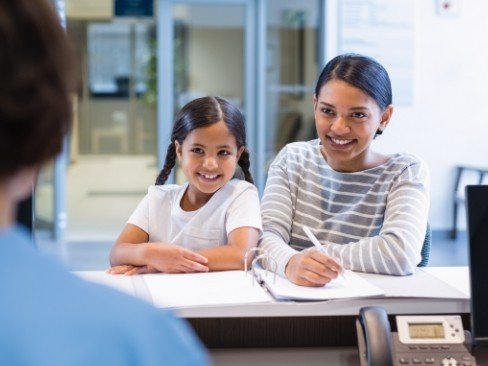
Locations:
(446, 124)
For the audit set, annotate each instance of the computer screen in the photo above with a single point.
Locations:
(477, 219)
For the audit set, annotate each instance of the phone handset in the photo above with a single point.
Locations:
(374, 337)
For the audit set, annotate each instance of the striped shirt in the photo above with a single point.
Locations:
(372, 221)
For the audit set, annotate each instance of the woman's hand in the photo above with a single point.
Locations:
(312, 268)
(171, 258)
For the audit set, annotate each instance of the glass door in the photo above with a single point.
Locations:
(205, 49)
(262, 55)
(110, 159)
(294, 59)
(115, 156)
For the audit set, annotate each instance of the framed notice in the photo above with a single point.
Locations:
(384, 30)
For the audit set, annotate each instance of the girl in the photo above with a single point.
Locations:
(367, 209)
(208, 223)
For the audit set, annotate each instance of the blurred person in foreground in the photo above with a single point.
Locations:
(47, 315)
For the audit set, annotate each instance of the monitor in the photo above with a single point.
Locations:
(477, 225)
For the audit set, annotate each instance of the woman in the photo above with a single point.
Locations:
(368, 210)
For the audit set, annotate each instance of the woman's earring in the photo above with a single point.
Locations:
(380, 129)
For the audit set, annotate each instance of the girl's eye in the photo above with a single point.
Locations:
(327, 111)
(197, 150)
(224, 153)
(358, 115)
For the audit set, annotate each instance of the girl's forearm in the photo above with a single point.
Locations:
(222, 258)
(128, 253)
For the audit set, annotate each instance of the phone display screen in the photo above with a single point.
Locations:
(426, 330)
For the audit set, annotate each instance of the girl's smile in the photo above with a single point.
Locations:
(208, 179)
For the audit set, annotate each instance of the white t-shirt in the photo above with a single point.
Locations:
(160, 215)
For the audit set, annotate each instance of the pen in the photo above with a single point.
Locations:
(315, 242)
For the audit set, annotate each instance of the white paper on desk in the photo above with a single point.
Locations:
(352, 286)
(457, 277)
(420, 284)
(204, 289)
(118, 282)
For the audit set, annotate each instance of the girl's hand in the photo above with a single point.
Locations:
(130, 270)
(312, 268)
(118, 270)
(171, 258)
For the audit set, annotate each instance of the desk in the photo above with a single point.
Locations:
(302, 324)
(314, 333)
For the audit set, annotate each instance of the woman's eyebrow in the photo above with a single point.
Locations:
(359, 109)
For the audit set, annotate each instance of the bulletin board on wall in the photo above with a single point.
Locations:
(384, 30)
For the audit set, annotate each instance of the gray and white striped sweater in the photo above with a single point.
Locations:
(372, 221)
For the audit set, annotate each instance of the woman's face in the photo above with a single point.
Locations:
(347, 120)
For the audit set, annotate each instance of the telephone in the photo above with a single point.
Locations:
(420, 340)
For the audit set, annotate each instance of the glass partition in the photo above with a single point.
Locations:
(208, 54)
(291, 72)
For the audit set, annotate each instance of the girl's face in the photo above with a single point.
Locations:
(347, 119)
(208, 156)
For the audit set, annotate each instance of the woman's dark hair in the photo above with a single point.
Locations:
(203, 112)
(361, 72)
(36, 64)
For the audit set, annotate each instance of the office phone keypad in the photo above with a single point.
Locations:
(433, 354)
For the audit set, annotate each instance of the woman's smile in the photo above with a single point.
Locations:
(338, 143)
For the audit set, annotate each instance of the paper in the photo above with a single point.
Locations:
(204, 289)
(421, 284)
(457, 277)
(118, 282)
(351, 286)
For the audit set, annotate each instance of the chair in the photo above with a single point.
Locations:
(425, 252)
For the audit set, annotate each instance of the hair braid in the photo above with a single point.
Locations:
(169, 163)
(244, 163)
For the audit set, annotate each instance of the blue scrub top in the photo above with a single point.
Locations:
(51, 317)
